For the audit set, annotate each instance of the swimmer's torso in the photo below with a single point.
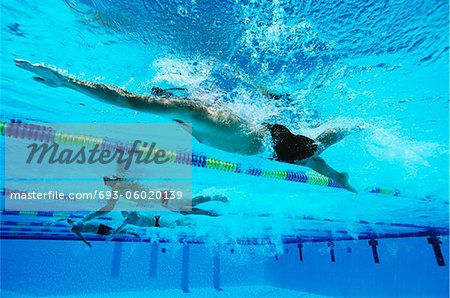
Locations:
(220, 129)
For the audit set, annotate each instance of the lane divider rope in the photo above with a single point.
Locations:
(34, 132)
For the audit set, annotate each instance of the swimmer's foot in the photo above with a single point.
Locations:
(46, 75)
(343, 181)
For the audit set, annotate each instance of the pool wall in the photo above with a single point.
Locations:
(407, 268)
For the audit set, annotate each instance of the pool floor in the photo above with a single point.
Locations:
(244, 291)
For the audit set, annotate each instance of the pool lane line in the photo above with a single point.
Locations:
(28, 233)
(305, 217)
(290, 239)
(25, 226)
(45, 133)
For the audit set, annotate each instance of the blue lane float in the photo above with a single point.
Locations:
(201, 240)
(439, 230)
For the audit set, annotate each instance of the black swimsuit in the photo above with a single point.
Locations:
(289, 147)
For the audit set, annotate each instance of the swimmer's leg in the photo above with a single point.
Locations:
(319, 165)
(331, 136)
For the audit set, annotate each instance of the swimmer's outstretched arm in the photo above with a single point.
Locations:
(54, 222)
(198, 211)
(82, 238)
(114, 95)
(213, 126)
(77, 232)
(124, 231)
(119, 229)
(203, 199)
(102, 211)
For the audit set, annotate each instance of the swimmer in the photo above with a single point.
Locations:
(218, 128)
(91, 227)
(79, 227)
(144, 219)
(118, 184)
(147, 220)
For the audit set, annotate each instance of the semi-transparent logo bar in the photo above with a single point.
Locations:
(83, 166)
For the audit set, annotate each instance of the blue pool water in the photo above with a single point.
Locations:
(381, 65)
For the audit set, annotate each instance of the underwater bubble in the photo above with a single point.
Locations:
(144, 41)
(82, 6)
(182, 11)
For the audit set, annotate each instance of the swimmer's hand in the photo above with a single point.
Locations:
(123, 232)
(54, 222)
(213, 213)
(46, 75)
(220, 198)
(134, 234)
